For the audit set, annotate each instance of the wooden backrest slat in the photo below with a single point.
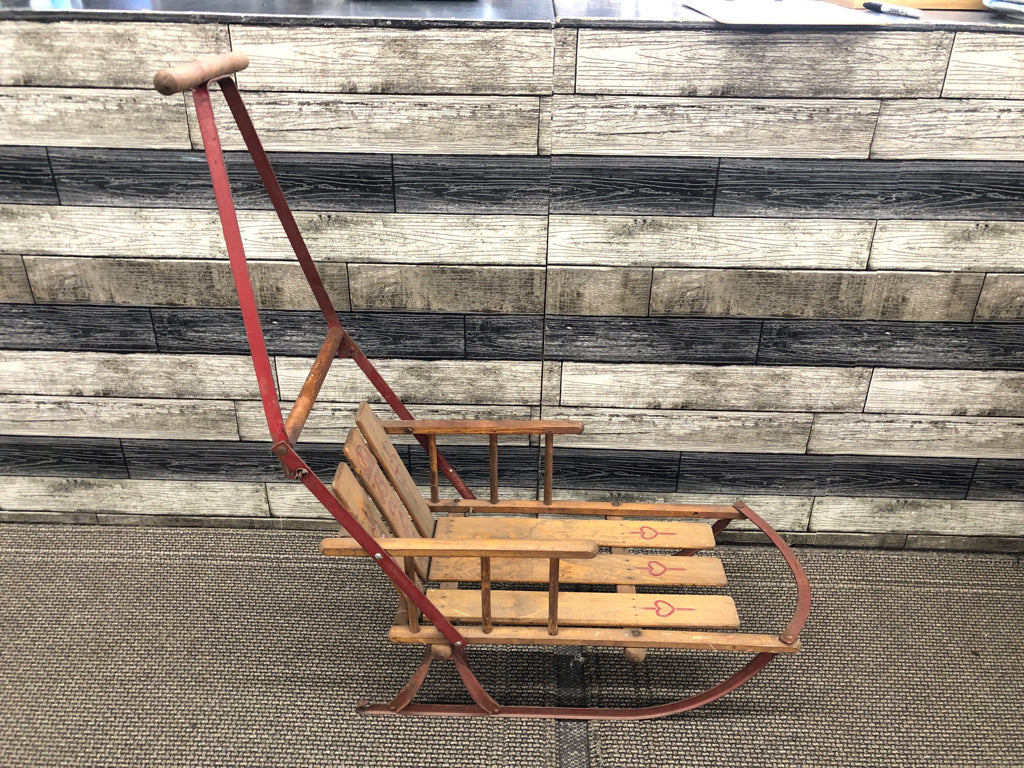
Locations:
(394, 468)
(350, 493)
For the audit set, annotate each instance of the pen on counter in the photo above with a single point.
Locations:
(894, 10)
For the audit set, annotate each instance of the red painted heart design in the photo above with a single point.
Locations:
(655, 568)
(646, 532)
(663, 609)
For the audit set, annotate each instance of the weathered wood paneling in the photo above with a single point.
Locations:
(974, 246)
(414, 381)
(152, 496)
(672, 241)
(62, 457)
(100, 54)
(118, 417)
(155, 282)
(1002, 298)
(640, 471)
(456, 125)
(518, 468)
(447, 289)
(25, 176)
(779, 63)
(598, 290)
(71, 117)
(98, 374)
(295, 501)
(14, 285)
(970, 129)
(220, 460)
(998, 479)
(896, 345)
(711, 387)
(952, 393)
(622, 125)
(674, 186)
(901, 435)
(503, 337)
(869, 189)
(651, 340)
(551, 385)
(81, 329)
(686, 430)
(985, 66)
(470, 184)
(374, 60)
(918, 296)
(564, 79)
(971, 518)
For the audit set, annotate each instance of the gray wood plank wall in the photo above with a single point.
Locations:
(786, 266)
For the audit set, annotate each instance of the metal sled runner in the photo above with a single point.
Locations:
(427, 548)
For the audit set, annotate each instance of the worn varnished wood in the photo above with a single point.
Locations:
(651, 125)
(379, 60)
(517, 466)
(307, 393)
(895, 345)
(672, 186)
(25, 176)
(950, 129)
(907, 189)
(754, 388)
(469, 427)
(973, 246)
(467, 548)
(222, 460)
(953, 517)
(673, 241)
(458, 125)
(72, 117)
(350, 493)
(587, 609)
(473, 184)
(651, 340)
(1002, 298)
(910, 435)
(985, 66)
(955, 393)
(919, 296)
(592, 508)
(598, 290)
(780, 63)
(62, 456)
(447, 288)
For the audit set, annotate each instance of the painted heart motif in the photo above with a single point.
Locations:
(646, 532)
(655, 568)
(663, 609)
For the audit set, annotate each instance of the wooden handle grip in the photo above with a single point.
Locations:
(181, 78)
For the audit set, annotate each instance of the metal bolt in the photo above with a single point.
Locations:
(458, 643)
(378, 556)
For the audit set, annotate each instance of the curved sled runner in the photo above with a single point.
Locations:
(428, 548)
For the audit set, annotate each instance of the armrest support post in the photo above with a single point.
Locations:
(549, 465)
(485, 593)
(494, 468)
(553, 569)
(435, 495)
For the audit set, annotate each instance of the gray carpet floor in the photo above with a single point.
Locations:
(153, 646)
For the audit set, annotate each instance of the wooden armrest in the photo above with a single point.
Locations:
(593, 508)
(536, 548)
(470, 427)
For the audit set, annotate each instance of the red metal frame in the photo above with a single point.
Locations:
(296, 468)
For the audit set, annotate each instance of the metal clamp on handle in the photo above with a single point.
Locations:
(181, 78)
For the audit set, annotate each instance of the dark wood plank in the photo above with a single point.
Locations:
(998, 479)
(62, 457)
(517, 467)
(597, 469)
(80, 329)
(901, 477)
(871, 189)
(141, 178)
(903, 345)
(300, 333)
(504, 337)
(651, 340)
(25, 176)
(471, 184)
(640, 185)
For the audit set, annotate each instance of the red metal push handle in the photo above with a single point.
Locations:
(181, 78)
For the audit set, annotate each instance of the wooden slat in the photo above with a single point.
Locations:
(572, 507)
(985, 66)
(491, 184)
(969, 129)
(100, 329)
(375, 60)
(381, 450)
(564, 80)
(62, 457)
(98, 374)
(913, 296)
(970, 246)
(101, 54)
(1002, 298)
(590, 609)
(467, 427)
(352, 496)
(606, 637)
(471, 549)
(995, 479)
(456, 125)
(779, 63)
(674, 241)
(158, 282)
(14, 286)
(899, 435)
(623, 125)
(168, 419)
(754, 388)
(970, 518)
(602, 569)
(26, 176)
(954, 393)
(598, 291)
(659, 534)
(71, 117)
(447, 288)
